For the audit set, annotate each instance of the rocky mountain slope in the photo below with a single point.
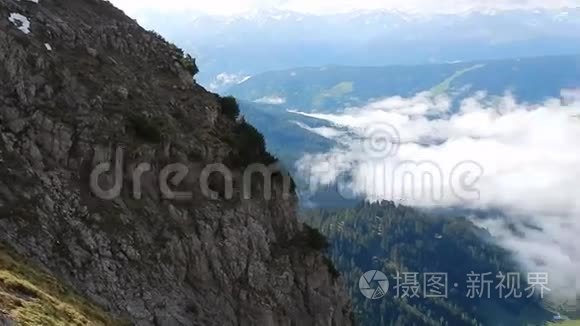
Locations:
(81, 85)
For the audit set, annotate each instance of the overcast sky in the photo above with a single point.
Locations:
(230, 7)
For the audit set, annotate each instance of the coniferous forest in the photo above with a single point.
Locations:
(411, 246)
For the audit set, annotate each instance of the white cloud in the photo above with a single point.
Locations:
(492, 153)
(552, 249)
(273, 100)
(228, 7)
(424, 6)
(215, 7)
(225, 80)
(325, 132)
(571, 95)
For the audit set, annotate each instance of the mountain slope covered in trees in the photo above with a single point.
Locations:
(333, 88)
(397, 239)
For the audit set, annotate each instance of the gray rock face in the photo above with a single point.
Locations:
(5, 321)
(104, 83)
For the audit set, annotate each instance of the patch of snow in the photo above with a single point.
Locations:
(48, 47)
(21, 22)
(35, 1)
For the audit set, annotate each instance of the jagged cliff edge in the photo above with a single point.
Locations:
(81, 83)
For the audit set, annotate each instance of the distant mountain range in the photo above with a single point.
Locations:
(267, 98)
(235, 47)
(332, 88)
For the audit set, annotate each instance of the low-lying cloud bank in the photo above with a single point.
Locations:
(225, 80)
(272, 100)
(494, 152)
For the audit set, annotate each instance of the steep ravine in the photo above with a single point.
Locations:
(82, 84)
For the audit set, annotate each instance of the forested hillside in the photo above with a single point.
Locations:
(396, 239)
(333, 88)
